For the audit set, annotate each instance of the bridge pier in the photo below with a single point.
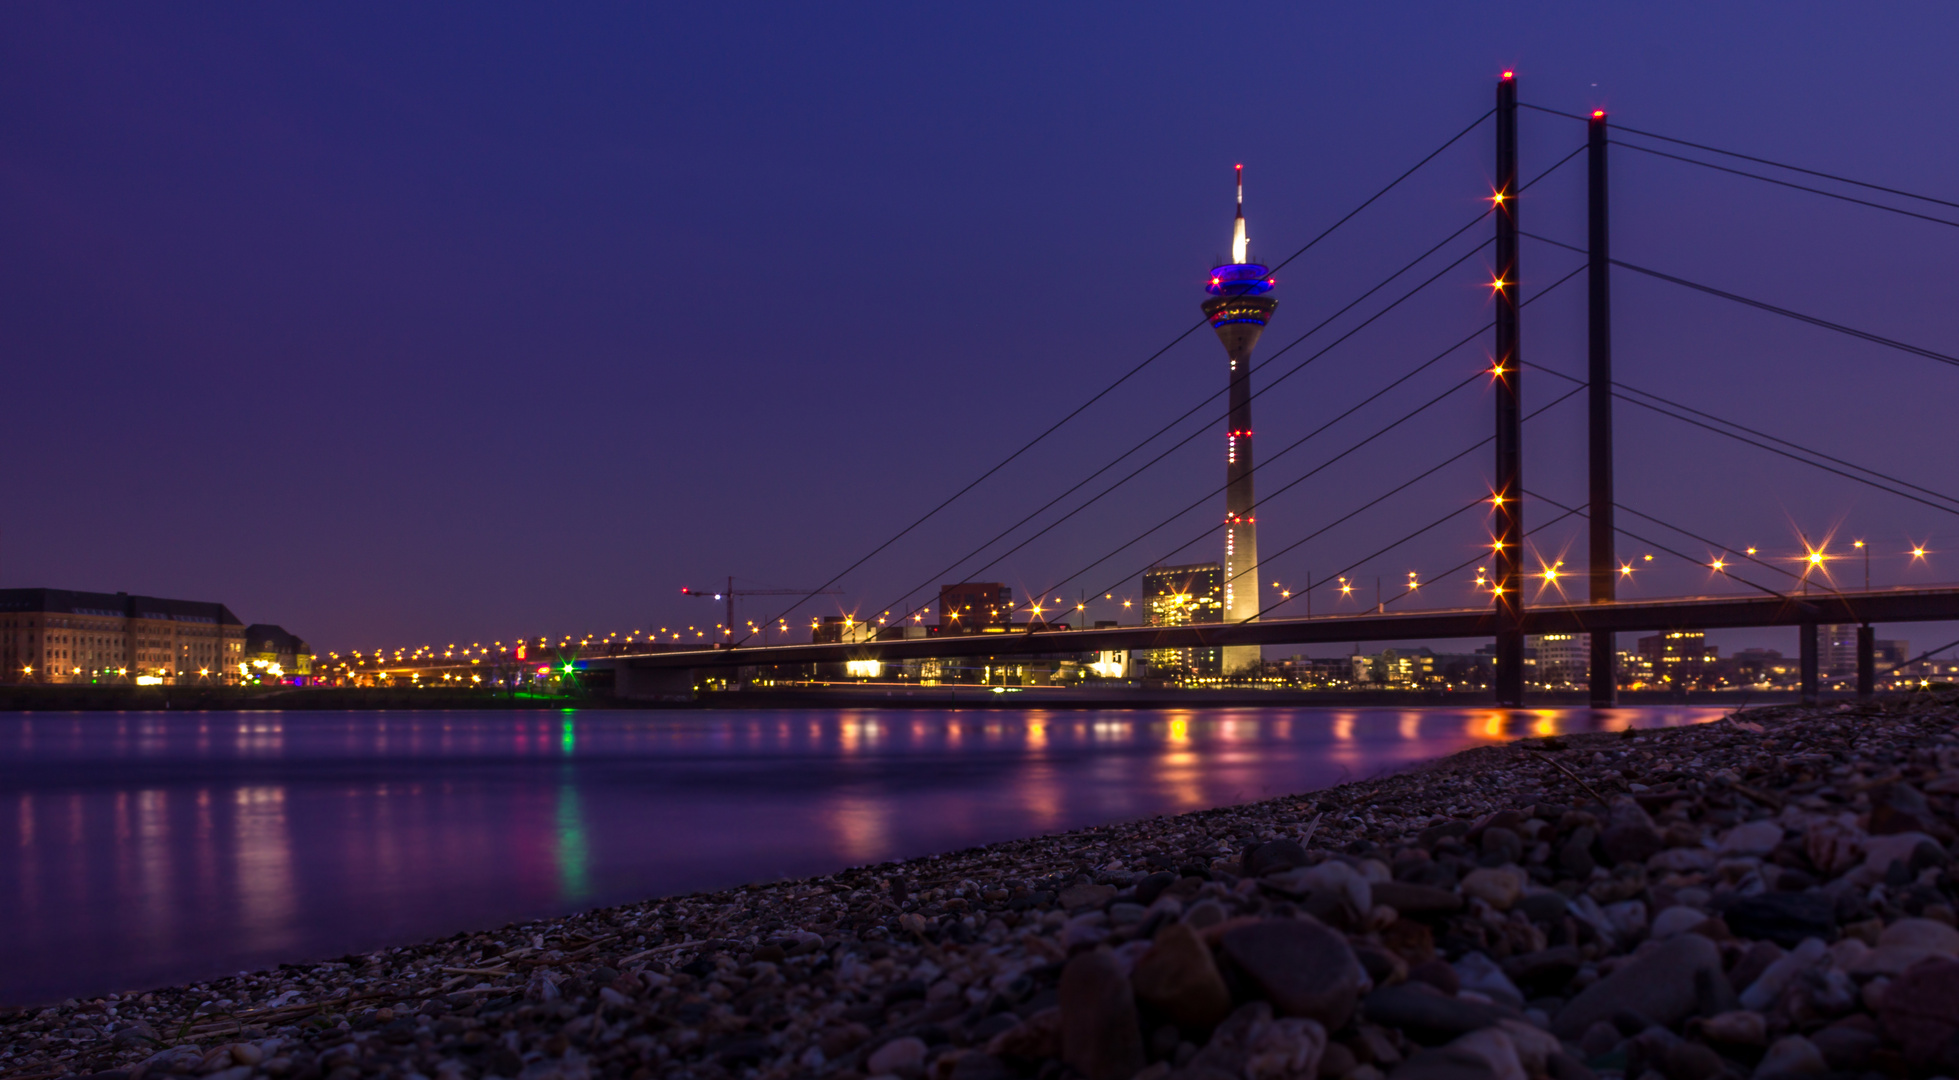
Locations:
(1603, 565)
(1866, 661)
(1808, 662)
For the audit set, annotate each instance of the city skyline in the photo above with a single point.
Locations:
(432, 374)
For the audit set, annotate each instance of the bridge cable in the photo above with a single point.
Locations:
(1126, 376)
(1479, 500)
(1749, 157)
(1864, 335)
(1926, 655)
(1784, 442)
(1202, 431)
(1788, 184)
(1655, 543)
(1765, 446)
(1784, 571)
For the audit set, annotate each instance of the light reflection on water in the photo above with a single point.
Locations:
(157, 847)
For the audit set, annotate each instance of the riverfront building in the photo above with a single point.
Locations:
(1180, 596)
(64, 636)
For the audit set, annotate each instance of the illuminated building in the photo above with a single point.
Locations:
(62, 636)
(1238, 311)
(1678, 657)
(274, 655)
(1836, 651)
(1180, 596)
(1562, 659)
(975, 607)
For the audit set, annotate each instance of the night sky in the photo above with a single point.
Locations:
(402, 324)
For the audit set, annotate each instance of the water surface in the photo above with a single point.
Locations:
(152, 848)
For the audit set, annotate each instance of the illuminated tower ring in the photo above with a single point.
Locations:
(1238, 311)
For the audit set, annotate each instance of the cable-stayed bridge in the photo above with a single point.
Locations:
(1803, 595)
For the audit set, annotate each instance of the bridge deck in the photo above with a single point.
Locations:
(1686, 613)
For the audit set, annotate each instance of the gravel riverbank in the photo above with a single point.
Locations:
(1766, 895)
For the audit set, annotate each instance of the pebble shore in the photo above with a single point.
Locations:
(1769, 895)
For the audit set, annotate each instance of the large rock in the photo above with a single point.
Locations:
(1179, 977)
(1791, 1055)
(1920, 1012)
(1666, 984)
(1304, 968)
(1429, 1016)
(1100, 1034)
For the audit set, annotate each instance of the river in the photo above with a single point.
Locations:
(147, 849)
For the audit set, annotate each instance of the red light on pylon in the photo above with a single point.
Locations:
(1509, 75)
(1598, 114)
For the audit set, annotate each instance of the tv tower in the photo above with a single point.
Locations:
(1238, 310)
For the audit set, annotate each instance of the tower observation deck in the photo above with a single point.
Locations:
(1238, 310)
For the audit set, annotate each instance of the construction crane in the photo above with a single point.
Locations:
(728, 594)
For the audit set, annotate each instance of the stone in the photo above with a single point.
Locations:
(1845, 1047)
(1178, 976)
(1205, 912)
(1767, 987)
(1502, 846)
(1034, 1039)
(1920, 1010)
(1499, 887)
(1333, 891)
(1784, 918)
(1274, 856)
(1898, 808)
(1429, 1016)
(1086, 896)
(1304, 968)
(1547, 906)
(1101, 1035)
(1413, 901)
(1791, 1055)
(1690, 1061)
(907, 1052)
(1881, 851)
(1677, 919)
(1666, 984)
(1736, 1027)
(1252, 1044)
(1151, 887)
(1337, 1061)
(1479, 973)
(1546, 971)
(1486, 1054)
(1754, 838)
(1437, 973)
(1575, 856)
(1927, 934)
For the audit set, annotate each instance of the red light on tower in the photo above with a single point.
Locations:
(1509, 75)
(1598, 114)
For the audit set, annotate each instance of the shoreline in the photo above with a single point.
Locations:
(970, 965)
(64, 699)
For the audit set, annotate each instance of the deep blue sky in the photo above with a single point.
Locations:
(451, 323)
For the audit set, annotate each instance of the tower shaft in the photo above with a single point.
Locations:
(1239, 320)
